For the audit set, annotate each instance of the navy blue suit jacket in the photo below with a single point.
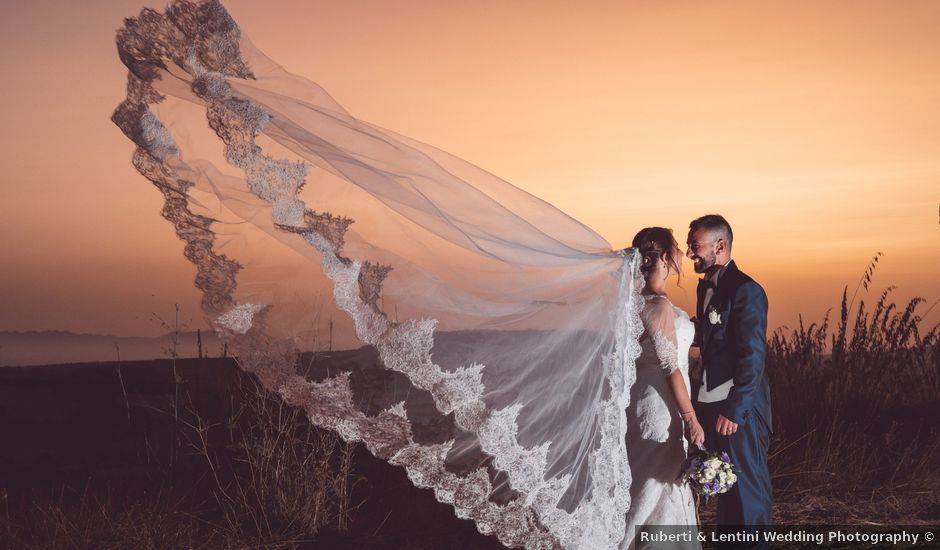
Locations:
(735, 348)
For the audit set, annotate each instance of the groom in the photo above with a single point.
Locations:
(733, 402)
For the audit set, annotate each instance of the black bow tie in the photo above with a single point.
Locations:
(706, 283)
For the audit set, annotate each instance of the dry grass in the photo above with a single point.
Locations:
(263, 478)
(854, 413)
(279, 479)
(64, 518)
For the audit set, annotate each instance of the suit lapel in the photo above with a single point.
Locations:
(700, 311)
(707, 332)
(700, 298)
(717, 301)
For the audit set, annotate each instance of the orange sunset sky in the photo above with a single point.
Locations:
(814, 127)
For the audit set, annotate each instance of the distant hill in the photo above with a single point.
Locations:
(57, 347)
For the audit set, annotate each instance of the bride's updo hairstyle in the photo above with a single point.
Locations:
(655, 243)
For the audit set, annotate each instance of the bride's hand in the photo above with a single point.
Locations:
(693, 430)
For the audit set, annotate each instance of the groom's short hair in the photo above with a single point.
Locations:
(716, 224)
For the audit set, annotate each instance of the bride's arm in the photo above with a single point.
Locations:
(659, 322)
(693, 429)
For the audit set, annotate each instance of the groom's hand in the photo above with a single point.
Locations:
(725, 426)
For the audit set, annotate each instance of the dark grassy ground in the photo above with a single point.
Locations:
(82, 467)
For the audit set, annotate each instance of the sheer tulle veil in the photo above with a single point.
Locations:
(476, 336)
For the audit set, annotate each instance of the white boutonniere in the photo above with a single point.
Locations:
(713, 316)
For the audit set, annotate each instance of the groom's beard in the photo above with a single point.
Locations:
(702, 265)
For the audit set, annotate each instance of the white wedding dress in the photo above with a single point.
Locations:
(656, 444)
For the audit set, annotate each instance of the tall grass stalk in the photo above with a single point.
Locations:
(860, 401)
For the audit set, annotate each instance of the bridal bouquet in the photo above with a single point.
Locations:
(709, 473)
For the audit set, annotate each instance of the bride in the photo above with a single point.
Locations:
(660, 402)
(528, 374)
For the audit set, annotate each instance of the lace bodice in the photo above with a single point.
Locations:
(667, 337)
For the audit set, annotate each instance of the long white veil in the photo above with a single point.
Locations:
(475, 335)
